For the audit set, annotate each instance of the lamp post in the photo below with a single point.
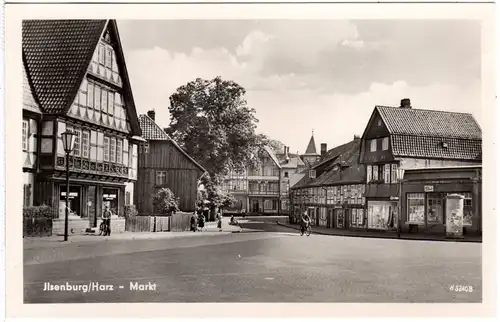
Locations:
(400, 175)
(68, 139)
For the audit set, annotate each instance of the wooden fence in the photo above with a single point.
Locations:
(148, 223)
(37, 227)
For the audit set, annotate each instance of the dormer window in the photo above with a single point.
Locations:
(312, 174)
(286, 175)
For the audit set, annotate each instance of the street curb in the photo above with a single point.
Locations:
(383, 237)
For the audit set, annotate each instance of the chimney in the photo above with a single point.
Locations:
(152, 114)
(405, 103)
(323, 149)
(287, 157)
(356, 137)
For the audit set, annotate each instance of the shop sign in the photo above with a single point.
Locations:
(71, 194)
(109, 196)
(429, 188)
(394, 198)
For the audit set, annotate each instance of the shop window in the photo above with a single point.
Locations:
(373, 145)
(415, 208)
(25, 135)
(385, 144)
(379, 214)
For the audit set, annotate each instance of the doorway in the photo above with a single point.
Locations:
(255, 206)
(110, 199)
(340, 218)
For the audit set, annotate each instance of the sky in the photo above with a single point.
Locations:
(305, 75)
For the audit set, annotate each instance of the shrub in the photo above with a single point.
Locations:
(165, 202)
(36, 212)
(130, 211)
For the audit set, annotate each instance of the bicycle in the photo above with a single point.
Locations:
(307, 230)
(103, 228)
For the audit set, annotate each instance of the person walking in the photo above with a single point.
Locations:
(201, 222)
(219, 220)
(193, 222)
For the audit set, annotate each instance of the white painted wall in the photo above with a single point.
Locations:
(410, 163)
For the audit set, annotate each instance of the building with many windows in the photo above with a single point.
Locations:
(265, 189)
(164, 164)
(75, 78)
(420, 142)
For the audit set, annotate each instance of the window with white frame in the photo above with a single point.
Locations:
(368, 173)
(112, 150)
(375, 172)
(394, 173)
(106, 148)
(312, 174)
(77, 145)
(85, 143)
(415, 208)
(387, 173)
(97, 97)
(25, 135)
(385, 143)
(119, 150)
(90, 94)
(104, 100)
(373, 145)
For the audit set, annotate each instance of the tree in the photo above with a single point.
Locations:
(210, 119)
(276, 145)
(165, 202)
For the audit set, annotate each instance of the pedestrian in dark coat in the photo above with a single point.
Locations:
(201, 222)
(193, 223)
(219, 221)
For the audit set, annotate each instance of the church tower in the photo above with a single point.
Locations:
(311, 156)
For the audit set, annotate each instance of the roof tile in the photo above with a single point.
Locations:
(57, 54)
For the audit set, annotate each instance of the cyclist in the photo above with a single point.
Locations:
(106, 219)
(305, 222)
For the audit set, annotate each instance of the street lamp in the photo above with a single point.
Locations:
(400, 176)
(68, 139)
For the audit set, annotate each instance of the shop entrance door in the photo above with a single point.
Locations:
(255, 206)
(340, 218)
(110, 199)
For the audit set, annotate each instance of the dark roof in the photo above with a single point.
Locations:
(311, 147)
(57, 54)
(345, 169)
(410, 121)
(335, 152)
(153, 132)
(29, 101)
(422, 133)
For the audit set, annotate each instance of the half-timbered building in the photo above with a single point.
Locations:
(75, 78)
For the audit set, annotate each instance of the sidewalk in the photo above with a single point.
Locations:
(382, 234)
(210, 229)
